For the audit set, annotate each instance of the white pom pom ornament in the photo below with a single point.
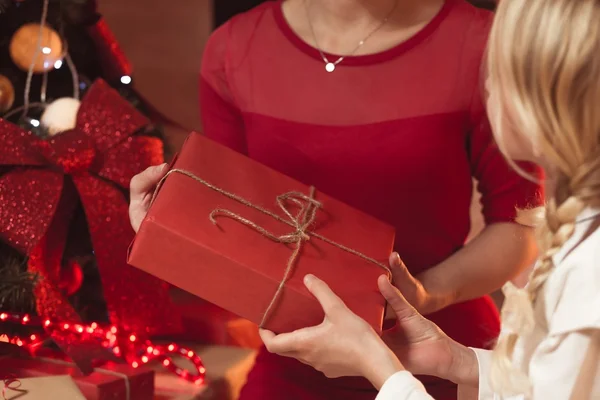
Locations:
(60, 115)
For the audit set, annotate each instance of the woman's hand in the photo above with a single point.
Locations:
(343, 345)
(141, 189)
(413, 289)
(421, 346)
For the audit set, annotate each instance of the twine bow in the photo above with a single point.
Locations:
(12, 383)
(300, 222)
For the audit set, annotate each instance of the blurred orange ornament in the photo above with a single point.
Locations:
(7, 94)
(24, 46)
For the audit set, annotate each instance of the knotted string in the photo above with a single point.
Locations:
(301, 222)
(11, 382)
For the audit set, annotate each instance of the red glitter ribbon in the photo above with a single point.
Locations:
(93, 163)
(114, 62)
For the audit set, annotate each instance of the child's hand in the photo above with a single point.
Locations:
(422, 347)
(141, 189)
(343, 345)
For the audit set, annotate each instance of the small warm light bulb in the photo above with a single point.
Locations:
(190, 354)
(144, 359)
(3, 316)
(46, 50)
(125, 79)
(202, 370)
(166, 363)
(199, 381)
(47, 322)
(25, 319)
(132, 338)
(58, 64)
(32, 337)
(134, 364)
(113, 329)
(94, 325)
(171, 347)
(79, 329)
(66, 326)
(35, 122)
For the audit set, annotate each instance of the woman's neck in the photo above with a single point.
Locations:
(336, 26)
(342, 15)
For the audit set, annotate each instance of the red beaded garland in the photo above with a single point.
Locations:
(140, 352)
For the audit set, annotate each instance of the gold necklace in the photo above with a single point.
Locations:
(329, 65)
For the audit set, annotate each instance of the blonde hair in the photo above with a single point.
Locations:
(544, 67)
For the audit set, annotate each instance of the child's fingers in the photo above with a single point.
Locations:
(329, 300)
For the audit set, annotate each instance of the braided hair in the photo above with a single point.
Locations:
(546, 76)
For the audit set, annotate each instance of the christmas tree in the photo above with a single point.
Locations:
(55, 49)
(52, 55)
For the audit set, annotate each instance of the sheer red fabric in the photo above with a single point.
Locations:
(398, 134)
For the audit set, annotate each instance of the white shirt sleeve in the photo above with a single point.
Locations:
(565, 364)
(403, 386)
(562, 367)
(565, 367)
(484, 359)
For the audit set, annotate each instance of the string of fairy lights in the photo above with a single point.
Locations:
(38, 49)
(137, 352)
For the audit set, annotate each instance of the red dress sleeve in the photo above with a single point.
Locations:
(221, 118)
(503, 190)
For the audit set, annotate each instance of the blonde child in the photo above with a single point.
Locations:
(544, 104)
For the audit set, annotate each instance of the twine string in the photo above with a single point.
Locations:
(12, 383)
(300, 222)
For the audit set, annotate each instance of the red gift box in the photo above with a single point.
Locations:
(227, 229)
(110, 382)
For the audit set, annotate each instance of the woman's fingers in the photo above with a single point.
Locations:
(143, 182)
(139, 188)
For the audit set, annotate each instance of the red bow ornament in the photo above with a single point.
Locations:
(41, 183)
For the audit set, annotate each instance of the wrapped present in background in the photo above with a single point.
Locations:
(228, 368)
(96, 344)
(112, 381)
(204, 322)
(43, 388)
(243, 236)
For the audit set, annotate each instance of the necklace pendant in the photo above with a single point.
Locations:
(330, 67)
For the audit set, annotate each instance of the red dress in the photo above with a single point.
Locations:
(398, 134)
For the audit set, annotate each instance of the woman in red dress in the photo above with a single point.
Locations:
(379, 104)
